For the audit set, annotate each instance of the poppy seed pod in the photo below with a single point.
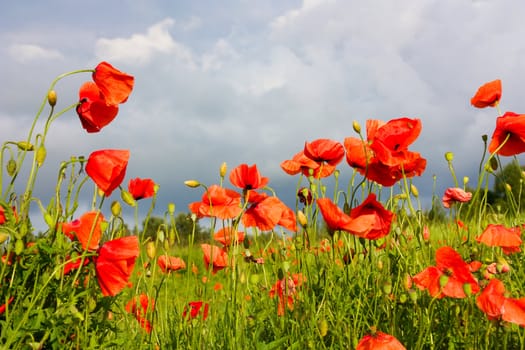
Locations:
(52, 98)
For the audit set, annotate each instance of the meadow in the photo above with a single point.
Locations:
(355, 265)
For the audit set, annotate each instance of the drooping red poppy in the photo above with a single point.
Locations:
(93, 111)
(86, 229)
(372, 211)
(170, 263)
(448, 277)
(508, 138)
(114, 264)
(488, 95)
(141, 188)
(453, 195)
(218, 202)
(194, 308)
(247, 177)
(115, 85)
(107, 168)
(379, 341)
(286, 290)
(141, 307)
(226, 236)
(215, 256)
(265, 212)
(384, 157)
(495, 235)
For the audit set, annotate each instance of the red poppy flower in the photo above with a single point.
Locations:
(170, 263)
(514, 311)
(300, 163)
(286, 290)
(326, 153)
(265, 212)
(381, 218)
(508, 138)
(107, 168)
(453, 195)
(499, 236)
(3, 307)
(86, 229)
(93, 111)
(487, 95)
(227, 237)
(114, 264)
(74, 264)
(215, 256)
(218, 202)
(138, 306)
(114, 84)
(194, 308)
(141, 188)
(247, 177)
(491, 299)
(379, 341)
(448, 277)
(384, 157)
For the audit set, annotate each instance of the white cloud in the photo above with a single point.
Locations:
(290, 16)
(24, 53)
(141, 48)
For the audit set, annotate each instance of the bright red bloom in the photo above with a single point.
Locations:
(93, 111)
(215, 256)
(495, 305)
(107, 168)
(320, 156)
(509, 135)
(372, 211)
(286, 290)
(227, 237)
(138, 306)
(113, 84)
(115, 263)
(194, 308)
(379, 341)
(218, 202)
(385, 157)
(86, 229)
(141, 188)
(448, 277)
(265, 212)
(170, 263)
(499, 236)
(453, 195)
(487, 95)
(247, 177)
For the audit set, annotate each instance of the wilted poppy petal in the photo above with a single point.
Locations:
(115, 263)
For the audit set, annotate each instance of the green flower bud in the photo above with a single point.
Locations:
(449, 156)
(356, 126)
(171, 208)
(192, 183)
(223, 169)
(19, 246)
(414, 190)
(3, 237)
(11, 167)
(116, 208)
(25, 146)
(128, 198)
(41, 154)
(52, 98)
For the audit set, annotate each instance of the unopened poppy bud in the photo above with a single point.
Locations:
(403, 298)
(52, 98)
(161, 236)
(302, 218)
(116, 208)
(171, 208)
(443, 280)
(41, 154)
(467, 288)
(3, 237)
(484, 137)
(465, 180)
(323, 327)
(380, 265)
(412, 294)
(502, 265)
(356, 126)
(19, 246)
(11, 167)
(128, 198)
(151, 250)
(49, 220)
(192, 183)
(223, 169)
(387, 288)
(449, 156)
(414, 190)
(493, 163)
(508, 187)
(25, 146)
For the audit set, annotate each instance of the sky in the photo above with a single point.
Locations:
(240, 81)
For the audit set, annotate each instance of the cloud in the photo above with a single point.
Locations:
(25, 53)
(139, 49)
